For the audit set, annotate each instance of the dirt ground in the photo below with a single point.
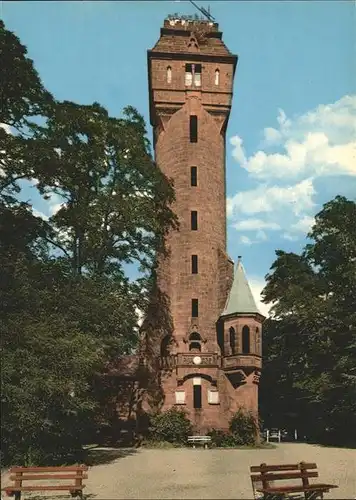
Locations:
(210, 474)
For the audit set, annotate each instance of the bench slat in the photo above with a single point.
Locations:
(37, 477)
(69, 487)
(267, 468)
(50, 469)
(289, 475)
(294, 489)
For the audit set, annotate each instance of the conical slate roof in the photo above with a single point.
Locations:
(240, 299)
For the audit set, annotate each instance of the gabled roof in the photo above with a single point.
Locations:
(240, 299)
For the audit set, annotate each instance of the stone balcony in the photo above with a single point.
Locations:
(196, 359)
(238, 361)
(211, 360)
(192, 359)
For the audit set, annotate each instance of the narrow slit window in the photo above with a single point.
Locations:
(232, 340)
(194, 264)
(193, 176)
(195, 308)
(169, 74)
(217, 77)
(246, 340)
(193, 128)
(194, 220)
(197, 396)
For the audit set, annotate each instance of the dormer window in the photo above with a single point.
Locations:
(193, 75)
(217, 77)
(169, 74)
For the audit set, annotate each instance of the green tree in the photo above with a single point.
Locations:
(24, 101)
(115, 198)
(66, 305)
(314, 328)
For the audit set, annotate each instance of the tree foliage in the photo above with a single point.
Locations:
(310, 344)
(67, 305)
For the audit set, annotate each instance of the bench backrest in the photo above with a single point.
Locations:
(75, 472)
(265, 475)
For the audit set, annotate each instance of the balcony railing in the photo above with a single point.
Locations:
(210, 360)
(192, 359)
(241, 360)
(197, 359)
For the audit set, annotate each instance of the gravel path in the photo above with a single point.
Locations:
(211, 474)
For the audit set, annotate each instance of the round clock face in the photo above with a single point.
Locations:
(197, 360)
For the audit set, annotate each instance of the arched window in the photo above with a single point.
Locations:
(165, 346)
(232, 338)
(258, 342)
(245, 340)
(169, 74)
(195, 342)
(217, 77)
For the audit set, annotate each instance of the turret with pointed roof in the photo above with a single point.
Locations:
(240, 328)
(240, 299)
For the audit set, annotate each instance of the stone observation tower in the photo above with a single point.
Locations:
(211, 363)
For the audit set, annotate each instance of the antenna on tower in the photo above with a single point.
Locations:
(205, 12)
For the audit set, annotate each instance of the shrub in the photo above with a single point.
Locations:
(244, 427)
(172, 426)
(222, 439)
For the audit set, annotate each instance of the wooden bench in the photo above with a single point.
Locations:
(203, 440)
(21, 474)
(265, 476)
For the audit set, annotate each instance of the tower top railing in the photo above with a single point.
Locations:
(179, 22)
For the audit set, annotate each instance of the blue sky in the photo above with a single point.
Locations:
(291, 137)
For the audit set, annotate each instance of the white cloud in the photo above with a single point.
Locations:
(253, 224)
(290, 237)
(238, 152)
(245, 240)
(303, 225)
(321, 142)
(297, 198)
(300, 149)
(261, 235)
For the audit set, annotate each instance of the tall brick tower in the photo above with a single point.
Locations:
(211, 362)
